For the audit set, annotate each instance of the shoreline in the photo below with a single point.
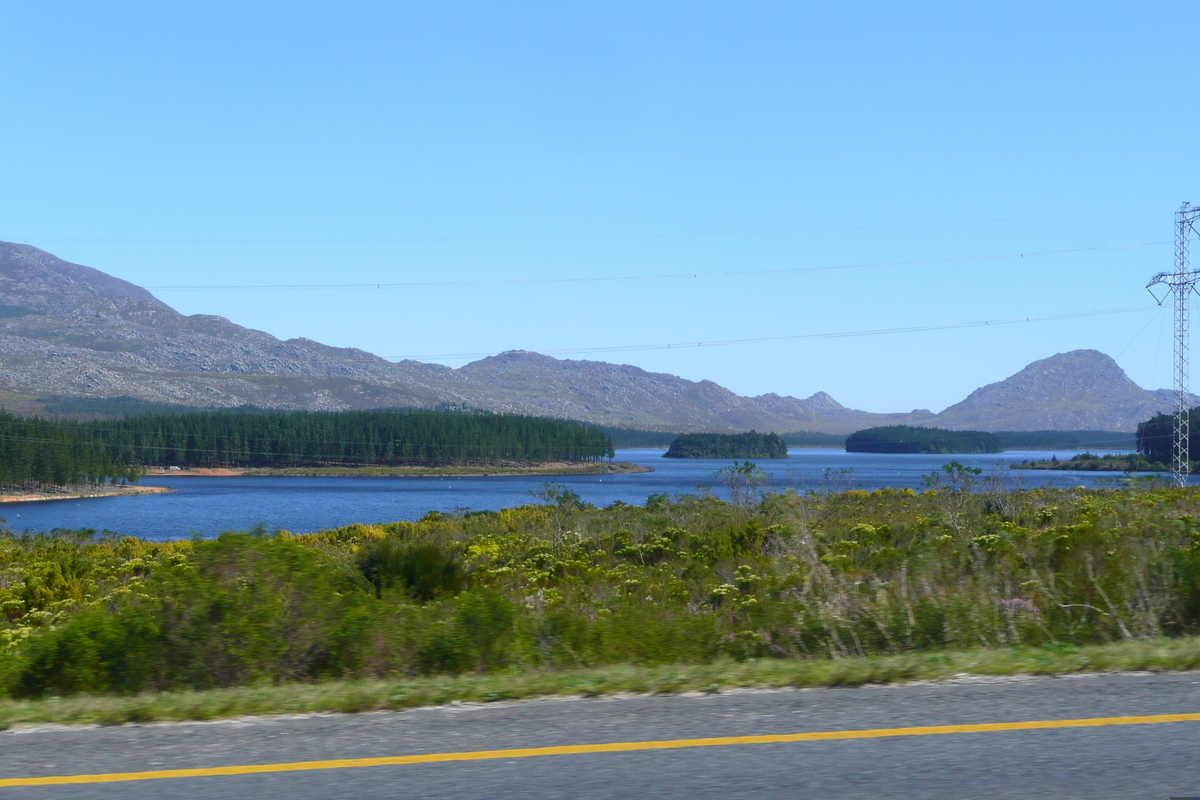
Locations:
(1129, 464)
(110, 491)
(500, 470)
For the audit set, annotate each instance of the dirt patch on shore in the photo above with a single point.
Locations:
(462, 470)
(200, 472)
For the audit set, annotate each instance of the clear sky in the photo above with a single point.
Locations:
(499, 148)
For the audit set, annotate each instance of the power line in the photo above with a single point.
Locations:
(794, 337)
(1180, 285)
(623, 278)
(586, 237)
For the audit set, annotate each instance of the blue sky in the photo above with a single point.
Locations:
(503, 147)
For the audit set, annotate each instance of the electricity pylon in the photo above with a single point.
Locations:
(1181, 284)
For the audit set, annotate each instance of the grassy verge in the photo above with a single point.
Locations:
(1158, 655)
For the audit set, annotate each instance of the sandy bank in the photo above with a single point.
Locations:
(106, 491)
(464, 471)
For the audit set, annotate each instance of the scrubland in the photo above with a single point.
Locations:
(690, 593)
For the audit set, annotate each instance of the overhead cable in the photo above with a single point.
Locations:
(799, 336)
(618, 278)
(590, 237)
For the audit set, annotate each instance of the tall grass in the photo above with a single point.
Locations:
(803, 579)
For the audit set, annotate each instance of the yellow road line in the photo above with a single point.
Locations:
(580, 749)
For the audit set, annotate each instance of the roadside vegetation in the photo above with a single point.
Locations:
(829, 584)
(399, 692)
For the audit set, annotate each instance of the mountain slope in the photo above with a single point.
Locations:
(67, 329)
(70, 330)
(1079, 390)
(623, 395)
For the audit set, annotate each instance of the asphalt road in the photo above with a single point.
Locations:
(1158, 760)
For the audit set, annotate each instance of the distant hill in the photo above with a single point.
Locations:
(68, 331)
(626, 396)
(1079, 390)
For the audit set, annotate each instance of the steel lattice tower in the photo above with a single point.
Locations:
(1181, 284)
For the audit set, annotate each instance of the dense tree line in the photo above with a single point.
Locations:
(1156, 436)
(637, 437)
(727, 445)
(313, 438)
(34, 451)
(907, 439)
(38, 451)
(109, 407)
(1066, 440)
(814, 439)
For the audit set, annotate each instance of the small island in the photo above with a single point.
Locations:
(1090, 462)
(727, 445)
(907, 439)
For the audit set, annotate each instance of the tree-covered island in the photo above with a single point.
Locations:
(907, 439)
(727, 445)
(1090, 462)
(1154, 440)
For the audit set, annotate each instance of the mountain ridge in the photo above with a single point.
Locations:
(71, 330)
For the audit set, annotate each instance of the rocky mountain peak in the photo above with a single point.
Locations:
(45, 283)
(1077, 390)
(821, 401)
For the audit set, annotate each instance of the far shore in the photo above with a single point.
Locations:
(106, 490)
(459, 471)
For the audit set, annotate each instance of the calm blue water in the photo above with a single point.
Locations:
(210, 505)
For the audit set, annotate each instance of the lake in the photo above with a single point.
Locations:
(208, 506)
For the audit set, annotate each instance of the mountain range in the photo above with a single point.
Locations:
(70, 330)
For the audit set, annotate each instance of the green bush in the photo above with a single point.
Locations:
(680, 580)
(423, 570)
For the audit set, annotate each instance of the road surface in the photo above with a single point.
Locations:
(1101, 736)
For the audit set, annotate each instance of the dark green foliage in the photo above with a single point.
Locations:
(253, 438)
(244, 608)
(811, 439)
(423, 570)
(1090, 462)
(727, 445)
(561, 584)
(109, 407)
(1067, 440)
(634, 437)
(34, 451)
(907, 439)
(1156, 436)
(66, 452)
